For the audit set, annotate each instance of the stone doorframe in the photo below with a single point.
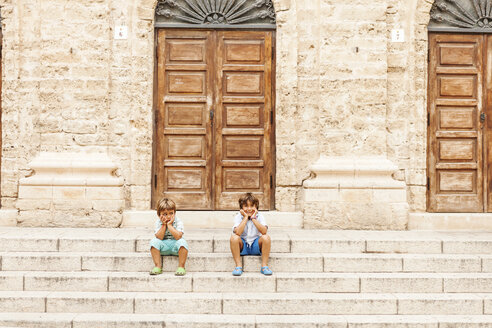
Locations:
(138, 190)
(408, 61)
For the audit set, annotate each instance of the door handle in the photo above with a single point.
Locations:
(482, 117)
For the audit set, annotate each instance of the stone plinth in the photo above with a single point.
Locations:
(450, 221)
(355, 193)
(71, 189)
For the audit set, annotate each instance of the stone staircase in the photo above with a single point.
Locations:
(352, 279)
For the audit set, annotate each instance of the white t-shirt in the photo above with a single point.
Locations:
(250, 232)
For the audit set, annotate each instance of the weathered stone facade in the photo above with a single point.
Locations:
(343, 89)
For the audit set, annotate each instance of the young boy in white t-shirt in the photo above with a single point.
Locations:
(249, 235)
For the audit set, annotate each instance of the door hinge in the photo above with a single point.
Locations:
(271, 181)
(155, 117)
(156, 51)
(271, 117)
(428, 183)
(155, 181)
(428, 55)
(428, 119)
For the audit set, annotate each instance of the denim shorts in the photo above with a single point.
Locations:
(254, 249)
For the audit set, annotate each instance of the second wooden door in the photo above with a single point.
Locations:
(460, 123)
(214, 117)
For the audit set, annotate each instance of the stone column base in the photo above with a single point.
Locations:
(355, 193)
(71, 190)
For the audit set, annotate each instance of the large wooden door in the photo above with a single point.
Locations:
(243, 129)
(214, 117)
(455, 167)
(185, 91)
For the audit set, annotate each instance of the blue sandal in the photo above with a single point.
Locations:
(266, 271)
(237, 271)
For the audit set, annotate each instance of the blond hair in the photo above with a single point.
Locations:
(165, 204)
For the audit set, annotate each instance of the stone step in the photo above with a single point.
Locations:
(246, 303)
(87, 281)
(106, 320)
(284, 241)
(223, 262)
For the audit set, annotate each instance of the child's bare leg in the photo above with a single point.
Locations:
(156, 256)
(265, 244)
(236, 245)
(182, 256)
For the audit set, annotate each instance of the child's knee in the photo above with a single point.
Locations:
(155, 243)
(181, 243)
(266, 239)
(235, 238)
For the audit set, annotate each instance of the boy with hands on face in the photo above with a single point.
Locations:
(250, 235)
(168, 238)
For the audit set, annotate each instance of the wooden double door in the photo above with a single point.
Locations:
(214, 117)
(460, 123)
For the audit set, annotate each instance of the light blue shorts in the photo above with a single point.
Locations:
(168, 246)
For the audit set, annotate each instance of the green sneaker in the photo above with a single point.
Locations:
(180, 271)
(155, 271)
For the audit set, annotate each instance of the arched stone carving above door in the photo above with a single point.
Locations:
(215, 14)
(461, 16)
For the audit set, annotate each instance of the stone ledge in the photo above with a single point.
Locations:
(369, 172)
(450, 221)
(72, 169)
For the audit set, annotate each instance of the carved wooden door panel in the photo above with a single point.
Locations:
(183, 155)
(455, 158)
(488, 121)
(244, 117)
(214, 117)
(1, 60)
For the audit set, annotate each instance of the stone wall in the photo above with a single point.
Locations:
(407, 97)
(68, 86)
(342, 88)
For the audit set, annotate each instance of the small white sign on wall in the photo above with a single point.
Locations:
(121, 32)
(398, 35)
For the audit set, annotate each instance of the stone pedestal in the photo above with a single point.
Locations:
(71, 190)
(355, 193)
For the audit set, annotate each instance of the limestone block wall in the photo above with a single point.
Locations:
(343, 88)
(407, 97)
(68, 86)
(341, 95)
